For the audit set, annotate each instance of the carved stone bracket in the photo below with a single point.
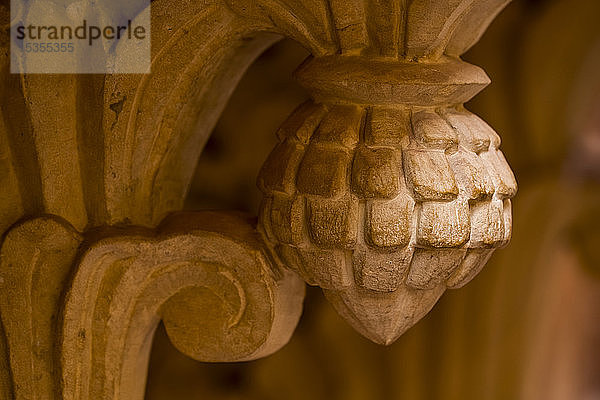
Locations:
(384, 191)
(79, 313)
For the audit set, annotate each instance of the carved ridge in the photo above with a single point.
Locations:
(360, 80)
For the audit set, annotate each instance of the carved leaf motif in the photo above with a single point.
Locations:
(395, 28)
(307, 21)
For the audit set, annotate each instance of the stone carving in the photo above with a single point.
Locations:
(384, 191)
(386, 207)
(206, 275)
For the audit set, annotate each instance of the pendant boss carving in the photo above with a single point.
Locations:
(386, 205)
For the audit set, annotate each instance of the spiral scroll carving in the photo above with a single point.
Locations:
(206, 275)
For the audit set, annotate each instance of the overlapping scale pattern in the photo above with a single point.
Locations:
(386, 202)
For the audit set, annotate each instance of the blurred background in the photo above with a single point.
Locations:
(528, 327)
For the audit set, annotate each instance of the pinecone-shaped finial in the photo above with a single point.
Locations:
(384, 206)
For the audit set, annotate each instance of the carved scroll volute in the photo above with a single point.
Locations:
(206, 275)
(384, 190)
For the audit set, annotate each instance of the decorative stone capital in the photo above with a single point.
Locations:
(383, 190)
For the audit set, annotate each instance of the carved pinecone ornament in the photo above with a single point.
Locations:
(384, 206)
(384, 190)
